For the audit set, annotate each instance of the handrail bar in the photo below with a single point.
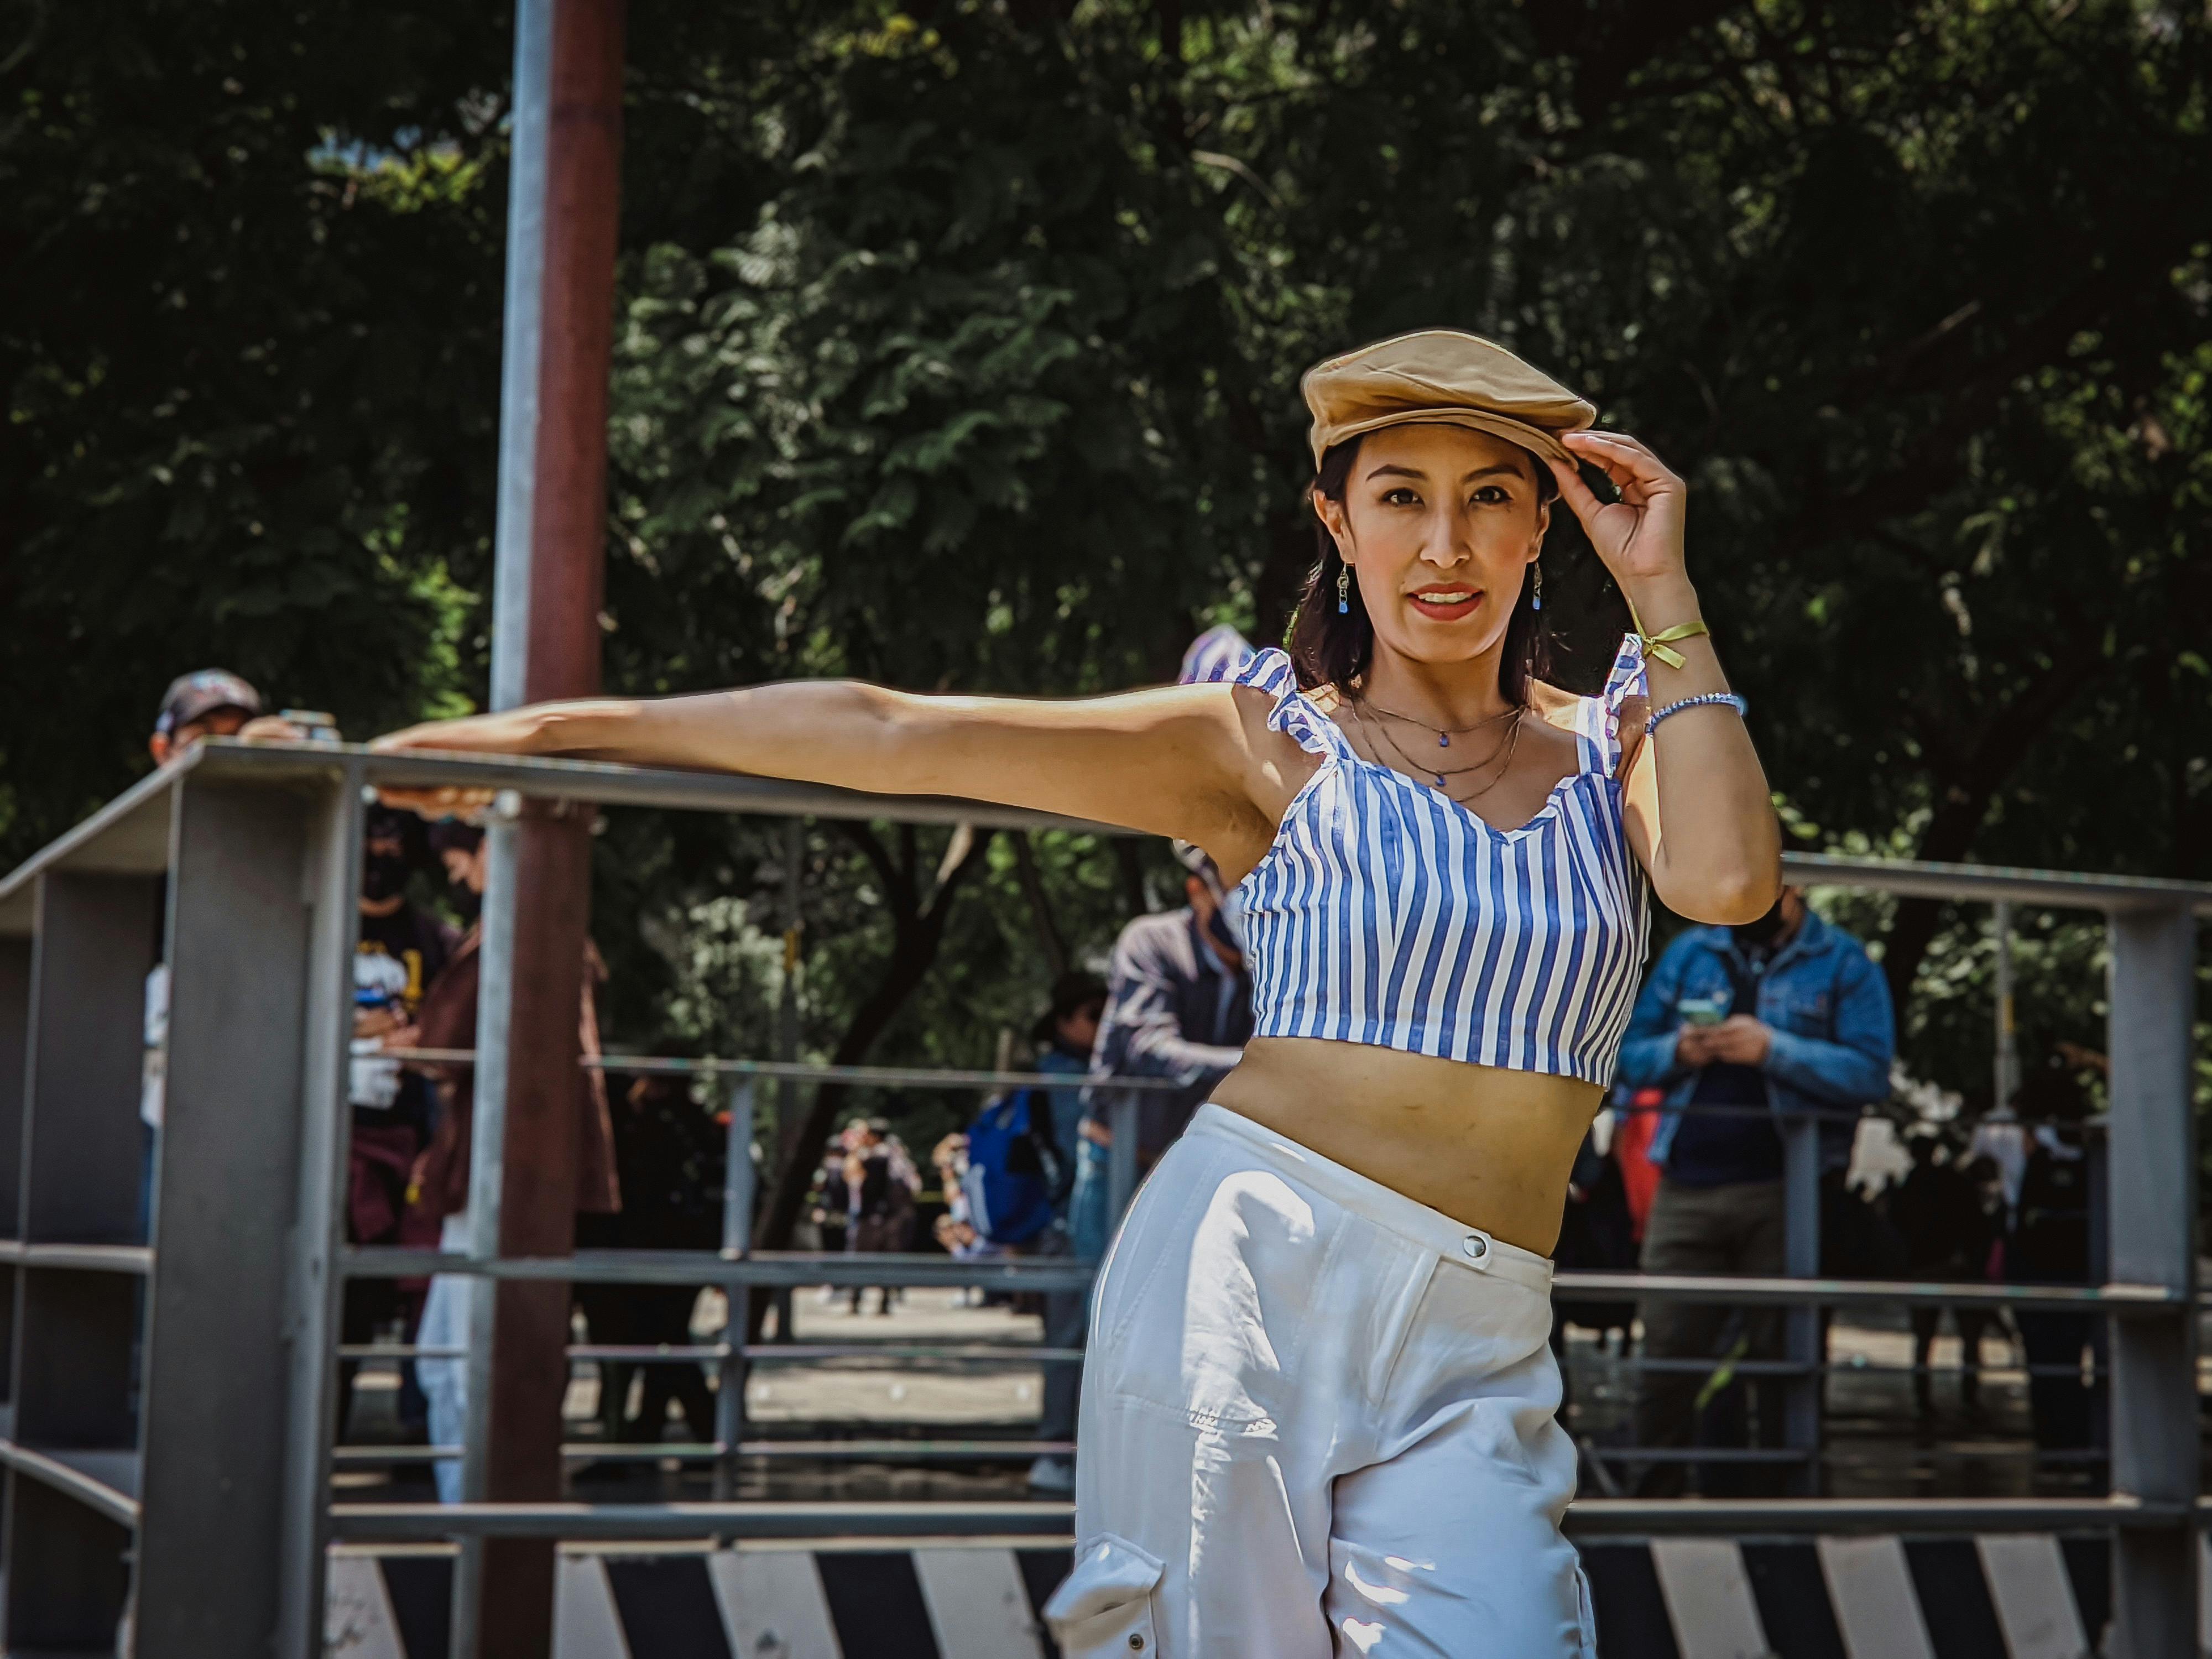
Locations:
(803, 1071)
(737, 1518)
(628, 786)
(1588, 1517)
(754, 1354)
(53, 1469)
(779, 1269)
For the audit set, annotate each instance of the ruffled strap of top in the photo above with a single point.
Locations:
(1597, 720)
(1294, 712)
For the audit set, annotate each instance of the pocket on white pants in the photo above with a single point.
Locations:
(1103, 1608)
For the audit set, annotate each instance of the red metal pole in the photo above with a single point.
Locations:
(568, 545)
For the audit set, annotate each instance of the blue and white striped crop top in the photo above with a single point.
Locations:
(1386, 913)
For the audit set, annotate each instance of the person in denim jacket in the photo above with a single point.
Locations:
(1785, 1014)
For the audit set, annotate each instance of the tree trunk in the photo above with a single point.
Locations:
(919, 930)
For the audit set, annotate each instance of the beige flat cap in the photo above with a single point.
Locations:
(1441, 375)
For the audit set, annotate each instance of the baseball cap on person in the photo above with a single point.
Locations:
(196, 696)
(1441, 376)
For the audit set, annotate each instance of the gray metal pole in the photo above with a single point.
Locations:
(2005, 1075)
(1802, 1327)
(325, 1134)
(1122, 1121)
(737, 1240)
(787, 1106)
(487, 1181)
(2152, 1169)
(522, 336)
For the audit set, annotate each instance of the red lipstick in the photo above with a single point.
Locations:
(1447, 601)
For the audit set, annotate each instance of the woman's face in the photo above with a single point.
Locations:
(1438, 524)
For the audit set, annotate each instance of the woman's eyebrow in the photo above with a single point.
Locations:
(1502, 469)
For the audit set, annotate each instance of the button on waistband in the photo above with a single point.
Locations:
(1476, 1246)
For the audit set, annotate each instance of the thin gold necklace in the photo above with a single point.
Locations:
(1503, 754)
(1444, 734)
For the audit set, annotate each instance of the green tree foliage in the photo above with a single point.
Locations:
(250, 375)
(960, 347)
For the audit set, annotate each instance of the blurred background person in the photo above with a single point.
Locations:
(1948, 1211)
(207, 702)
(2050, 1245)
(829, 1206)
(213, 703)
(439, 1194)
(669, 1156)
(882, 1184)
(401, 947)
(1065, 1035)
(1781, 1015)
(1178, 1006)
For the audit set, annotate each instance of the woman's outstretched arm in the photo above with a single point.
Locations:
(1184, 761)
(1699, 814)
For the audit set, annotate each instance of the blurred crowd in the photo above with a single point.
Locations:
(651, 1159)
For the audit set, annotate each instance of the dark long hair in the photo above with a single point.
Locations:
(1327, 648)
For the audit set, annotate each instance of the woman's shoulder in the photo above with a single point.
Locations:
(1301, 714)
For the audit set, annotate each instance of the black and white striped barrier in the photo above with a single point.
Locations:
(2000, 1596)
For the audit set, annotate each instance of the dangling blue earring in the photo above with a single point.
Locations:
(1536, 601)
(1343, 590)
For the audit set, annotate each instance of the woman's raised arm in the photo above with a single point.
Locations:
(1183, 761)
(1699, 814)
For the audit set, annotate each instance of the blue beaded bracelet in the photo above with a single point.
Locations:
(1727, 698)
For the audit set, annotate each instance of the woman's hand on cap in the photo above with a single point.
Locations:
(1640, 537)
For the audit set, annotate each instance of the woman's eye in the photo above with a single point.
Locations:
(1491, 495)
(1401, 497)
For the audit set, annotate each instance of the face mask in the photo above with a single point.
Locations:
(1228, 924)
(382, 875)
(467, 900)
(1757, 936)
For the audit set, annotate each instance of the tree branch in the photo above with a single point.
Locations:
(1032, 884)
(1964, 801)
(917, 935)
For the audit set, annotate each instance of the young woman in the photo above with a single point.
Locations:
(1317, 1415)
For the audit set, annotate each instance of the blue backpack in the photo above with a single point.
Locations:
(1012, 1162)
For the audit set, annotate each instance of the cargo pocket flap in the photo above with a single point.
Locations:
(1104, 1607)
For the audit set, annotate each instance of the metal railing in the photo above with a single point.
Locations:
(168, 1432)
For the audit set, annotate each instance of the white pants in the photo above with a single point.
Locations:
(1317, 1419)
(445, 1382)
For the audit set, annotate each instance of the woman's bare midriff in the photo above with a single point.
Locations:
(1489, 1148)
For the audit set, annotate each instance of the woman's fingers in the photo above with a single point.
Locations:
(1580, 498)
(1622, 458)
(442, 802)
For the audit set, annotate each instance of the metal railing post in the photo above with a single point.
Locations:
(487, 1185)
(1122, 1120)
(1802, 1328)
(2005, 1063)
(2152, 1169)
(737, 1240)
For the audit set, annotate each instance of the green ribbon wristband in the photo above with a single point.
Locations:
(1654, 645)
